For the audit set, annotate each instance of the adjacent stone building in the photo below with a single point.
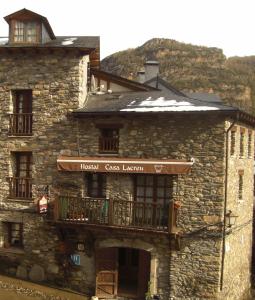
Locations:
(115, 188)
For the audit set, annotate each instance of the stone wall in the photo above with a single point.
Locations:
(193, 272)
(58, 86)
(200, 192)
(40, 244)
(237, 262)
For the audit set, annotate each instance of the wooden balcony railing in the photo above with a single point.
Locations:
(108, 145)
(21, 124)
(20, 187)
(116, 213)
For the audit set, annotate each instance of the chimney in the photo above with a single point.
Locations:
(141, 76)
(151, 69)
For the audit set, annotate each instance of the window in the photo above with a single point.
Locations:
(21, 183)
(232, 142)
(249, 143)
(240, 185)
(14, 234)
(25, 32)
(21, 119)
(152, 188)
(97, 185)
(154, 191)
(242, 132)
(109, 140)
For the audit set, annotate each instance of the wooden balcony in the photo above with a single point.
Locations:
(108, 145)
(21, 124)
(116, 213)
(20, 188)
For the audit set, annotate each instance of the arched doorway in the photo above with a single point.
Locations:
(122, 272)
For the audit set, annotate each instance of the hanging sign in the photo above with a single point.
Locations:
(43, 205)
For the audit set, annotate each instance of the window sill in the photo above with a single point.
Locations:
(12, 250)
(21, 136)
(108, 154)
(20, 200)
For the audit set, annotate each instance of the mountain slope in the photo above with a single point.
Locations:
(191, 68)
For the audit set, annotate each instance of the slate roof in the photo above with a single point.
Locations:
(208, 97)
(90, 42)
(153, 82)
(147, 102)
(122, 81)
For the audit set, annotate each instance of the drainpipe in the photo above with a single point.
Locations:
(78, 136)
(225, 202)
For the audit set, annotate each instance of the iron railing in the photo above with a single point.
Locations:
(108, 145)
(21, 124)
(20, 187)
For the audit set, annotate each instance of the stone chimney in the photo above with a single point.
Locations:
(151, 69)
(141, 76)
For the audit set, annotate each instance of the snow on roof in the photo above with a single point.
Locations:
(162, 104)
(148, 101)
(68, 41)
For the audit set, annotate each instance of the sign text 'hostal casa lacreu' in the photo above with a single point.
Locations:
(123, 165)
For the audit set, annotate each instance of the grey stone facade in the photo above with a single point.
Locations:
(206, 263)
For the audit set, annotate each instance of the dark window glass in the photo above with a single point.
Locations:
(22, 101)
(97, 185)
(109, 140)
(15, 234)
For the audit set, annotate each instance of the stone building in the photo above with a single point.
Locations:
(115, 188)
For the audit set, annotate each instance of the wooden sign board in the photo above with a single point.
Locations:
(123, 165)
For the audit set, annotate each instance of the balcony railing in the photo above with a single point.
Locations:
(108, 145)
(21, 124)
(116, 213)
(20, 187)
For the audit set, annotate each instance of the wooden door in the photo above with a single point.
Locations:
(143, 273)
(106, 272)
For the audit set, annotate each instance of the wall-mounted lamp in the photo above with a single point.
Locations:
(230, 219)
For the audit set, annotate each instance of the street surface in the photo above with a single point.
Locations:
(15, 289)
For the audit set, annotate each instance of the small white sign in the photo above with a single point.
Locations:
(43, 205)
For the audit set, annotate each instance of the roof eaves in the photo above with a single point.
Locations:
(120, 80)
(81, 113)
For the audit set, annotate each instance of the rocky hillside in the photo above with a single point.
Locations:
(191, 68)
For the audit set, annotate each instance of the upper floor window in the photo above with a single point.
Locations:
(249, 143)
(25, 32)
(240, 185)
(242, 135)
(21, 182)
(109, 140)
(21, 119)
(232, 142)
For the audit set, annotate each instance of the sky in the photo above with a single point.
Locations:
(122, 24)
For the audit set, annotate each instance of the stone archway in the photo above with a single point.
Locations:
(139, 245)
